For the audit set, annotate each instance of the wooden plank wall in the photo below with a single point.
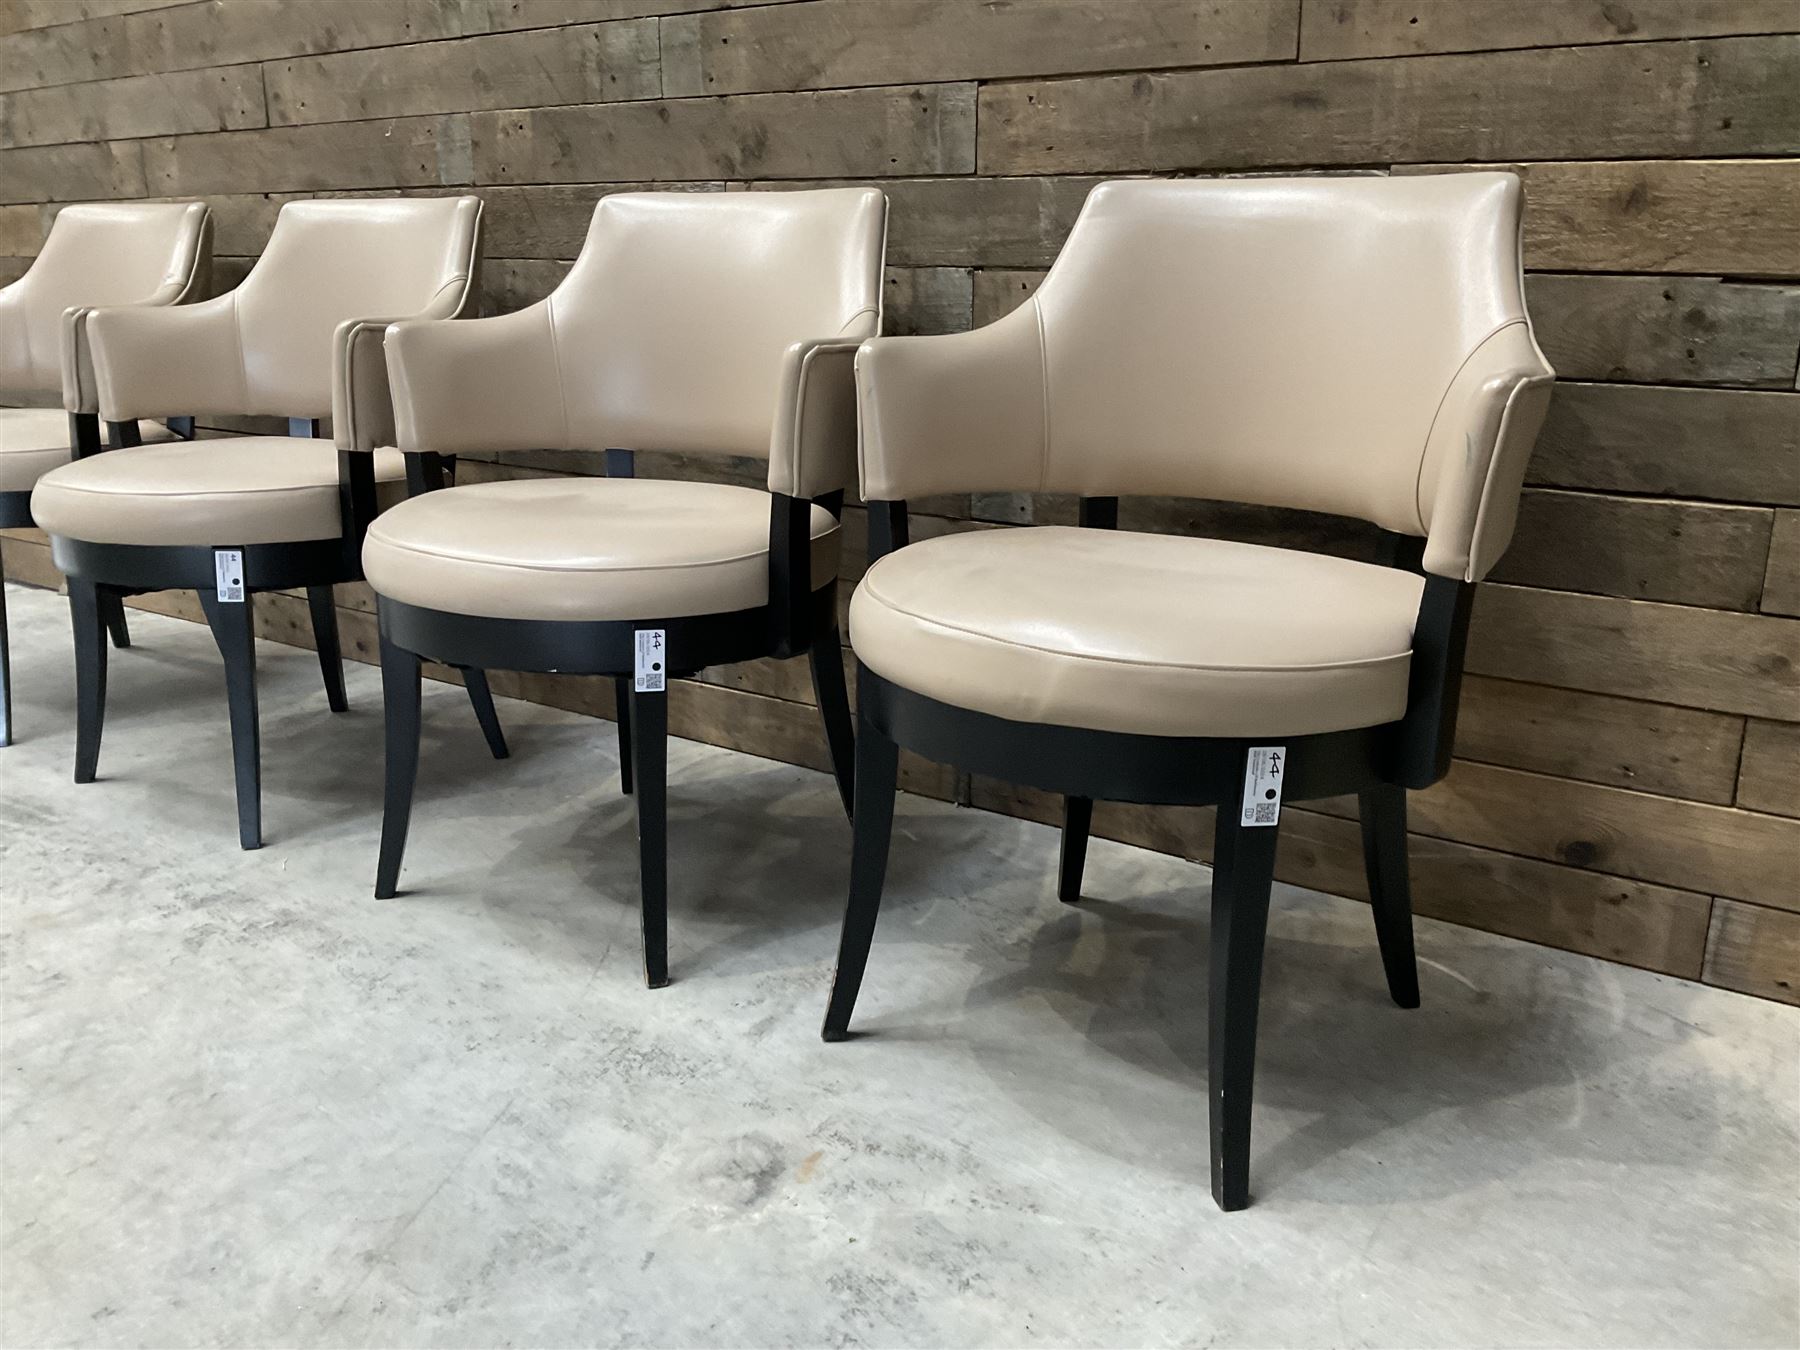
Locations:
(1626, 783)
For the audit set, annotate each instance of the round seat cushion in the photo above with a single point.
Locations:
(584, 549)
(1153, 634)
(234, 490)
(34, 441)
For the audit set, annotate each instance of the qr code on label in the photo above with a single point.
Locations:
(1266, 813)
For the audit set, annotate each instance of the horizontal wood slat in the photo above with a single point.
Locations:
(921, 129)
(785, 47)
(1754, 950)
(1715, 98)
(1695, 443)
(1741, 663)
(1336, 30)
(1657, 215)
(587, 63)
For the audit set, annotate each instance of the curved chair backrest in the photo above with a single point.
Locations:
(671, 327)
(110, 253)
(331, 261)
(1286, 342)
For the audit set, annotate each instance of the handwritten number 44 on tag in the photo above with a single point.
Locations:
(650, 674)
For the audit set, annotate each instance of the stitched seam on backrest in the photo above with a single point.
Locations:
(562, 398)
(1438, 412)
(1037, 314)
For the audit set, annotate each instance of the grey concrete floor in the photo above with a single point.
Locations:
(246, 1104)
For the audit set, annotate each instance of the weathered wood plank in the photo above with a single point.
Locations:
(1685, 553)
(1715, 98)
(1657, 215)
(551, 220)
(587, 63)
(22, 230)
(1336, 30)
(1689, 845)
(1739, 663)
(404, 152)
(1001, 290)
(923, 129)
(194, 36)
(1781, 581)
(925, 300)
(72, 173)
(974, 222)
(26, 558)
(1598, 738)
(230, 98)
(1694, 443)
(1754, 950)
(837, 44)
(1769, 778)
(23, 14)
(500, 15)
(1667, 330)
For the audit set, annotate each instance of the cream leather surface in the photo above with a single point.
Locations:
(239, 490)
(685, 325)
(1357, 346)
(113, 253)
(273, 346)
(583, 548)
(1143, 633)
(34, 441)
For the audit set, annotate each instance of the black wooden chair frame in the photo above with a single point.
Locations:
(797, 619)
(1377, 763)
(100, 575)
(15, 514)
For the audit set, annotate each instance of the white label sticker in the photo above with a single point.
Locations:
(649, 675)
(1262, 784)
(228, 565)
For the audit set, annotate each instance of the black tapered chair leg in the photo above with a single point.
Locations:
(1390, 892)
(481, 698)
(90, 675)
(650, 771)
(112, 609)
(826, 657)
(400, 703)
(622, 709)
(234, 629)
(1078, 816)
(877, 772)
(5, 669)
(1243, 868)
(325, 642)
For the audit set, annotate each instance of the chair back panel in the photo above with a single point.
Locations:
(1285, 342)
(110, 253)
(329, 261)
(670, 328)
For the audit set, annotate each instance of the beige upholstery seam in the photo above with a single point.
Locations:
(1141, 665)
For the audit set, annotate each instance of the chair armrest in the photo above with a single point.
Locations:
(812, 450)
(477, 384)
(961, 412)
(166, 362)
(362, 402)
(1477, 451)
(15, 347)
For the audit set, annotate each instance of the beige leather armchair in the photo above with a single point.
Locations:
(705, 324)
(233, 516)
(1357, 346)
(149, 254)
